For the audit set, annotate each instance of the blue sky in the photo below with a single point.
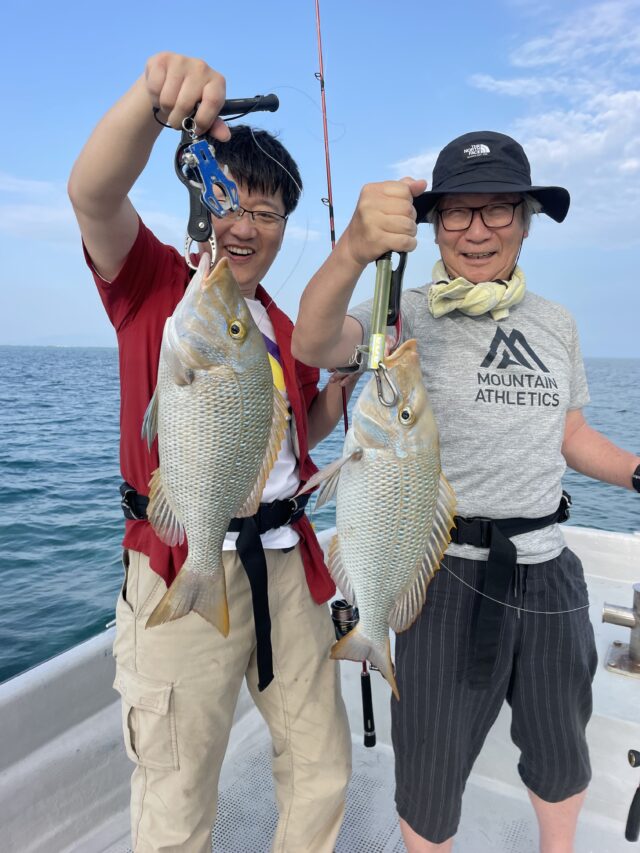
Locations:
(401, 81)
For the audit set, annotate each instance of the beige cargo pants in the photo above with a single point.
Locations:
(179, 684)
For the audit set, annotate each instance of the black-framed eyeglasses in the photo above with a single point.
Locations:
(495, 215)
(262, 218)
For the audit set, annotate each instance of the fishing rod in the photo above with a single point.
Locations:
(345, 616)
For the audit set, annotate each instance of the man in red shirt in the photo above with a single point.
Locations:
(180, 681)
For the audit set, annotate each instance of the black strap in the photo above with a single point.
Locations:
(252, 557)
(249, 546)
(134, 506)
(251, 553)
(496, 535)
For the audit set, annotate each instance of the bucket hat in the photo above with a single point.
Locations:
(487, 162)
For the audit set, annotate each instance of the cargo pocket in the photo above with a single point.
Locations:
(126, 563)
(148, 720)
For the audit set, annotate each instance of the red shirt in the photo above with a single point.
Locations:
(138, 301)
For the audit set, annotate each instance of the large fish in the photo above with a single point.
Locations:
(220, 423)
(394, 511)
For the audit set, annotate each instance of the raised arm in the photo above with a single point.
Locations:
(384, 220)
(118, 150)
(588, 451)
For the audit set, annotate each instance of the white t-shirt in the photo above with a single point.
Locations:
(283, 480)
(500, 392)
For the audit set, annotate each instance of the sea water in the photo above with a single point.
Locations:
(60, 518)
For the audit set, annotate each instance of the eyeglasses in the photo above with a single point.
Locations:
(493, 215)
(266, 219)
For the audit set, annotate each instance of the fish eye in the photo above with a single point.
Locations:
(406, 416)
(237, 330)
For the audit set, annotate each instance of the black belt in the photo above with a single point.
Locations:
(249, 546)
(496, 534)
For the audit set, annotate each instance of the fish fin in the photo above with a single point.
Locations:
(356, 646)
(411, 601)
(279, 425)
(327, 478)
(180, 373)
(337, 571)
(193, 591)
(160, 513)
(150, 420)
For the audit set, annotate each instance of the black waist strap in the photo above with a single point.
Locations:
(249, 546)
(496, 535)
(251, 553)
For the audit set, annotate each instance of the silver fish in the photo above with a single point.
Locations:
(220, 423)
(394, 512)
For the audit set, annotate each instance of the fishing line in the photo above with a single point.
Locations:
(513, 606)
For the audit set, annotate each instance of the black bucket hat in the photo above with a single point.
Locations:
(488, 162)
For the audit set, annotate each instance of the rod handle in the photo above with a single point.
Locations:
(259, 103)
(632, 831)
(367, 710)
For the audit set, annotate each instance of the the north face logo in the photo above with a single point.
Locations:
(514, 348)
(477, 150)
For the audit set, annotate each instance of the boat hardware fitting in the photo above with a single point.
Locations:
(624, 658)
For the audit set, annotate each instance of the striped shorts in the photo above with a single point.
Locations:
(544, 669)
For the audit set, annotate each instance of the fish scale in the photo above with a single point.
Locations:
(393, 504)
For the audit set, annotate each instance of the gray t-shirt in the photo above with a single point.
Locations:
(500, 392)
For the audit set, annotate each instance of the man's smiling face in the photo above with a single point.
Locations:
(251, 247)
(480, 253)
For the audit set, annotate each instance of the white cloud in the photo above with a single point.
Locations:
(605, 32)
(420, 166)
(528, 87)
(54, 223)
(587, 136)
(301, 233)
(12, 184)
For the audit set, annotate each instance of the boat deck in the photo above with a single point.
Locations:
(64, 774)
(496, 818)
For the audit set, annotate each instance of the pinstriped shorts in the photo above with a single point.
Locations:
(544, 669)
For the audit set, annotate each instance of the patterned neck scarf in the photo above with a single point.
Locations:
(495, 297)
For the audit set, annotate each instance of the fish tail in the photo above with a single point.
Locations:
(193, 591)
(356, 646)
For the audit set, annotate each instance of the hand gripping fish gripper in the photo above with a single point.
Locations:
(385, 313)
(210, 190)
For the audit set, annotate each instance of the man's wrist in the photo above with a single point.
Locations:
(635, 479)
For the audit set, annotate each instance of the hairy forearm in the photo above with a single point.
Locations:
(115, 154)
(593, 454)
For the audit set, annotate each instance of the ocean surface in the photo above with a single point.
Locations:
(60, 518)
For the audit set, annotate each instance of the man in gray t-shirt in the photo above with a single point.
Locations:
(506, 380)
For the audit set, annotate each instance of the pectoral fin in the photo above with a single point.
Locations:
(150, 420)
(328, 478)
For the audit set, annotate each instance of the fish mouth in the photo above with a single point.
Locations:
(221, 267)
(409, 346)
